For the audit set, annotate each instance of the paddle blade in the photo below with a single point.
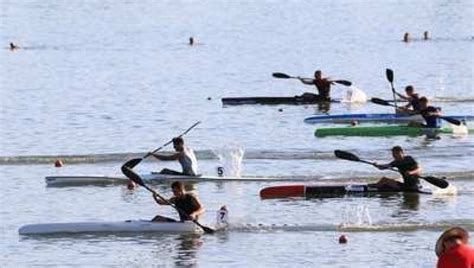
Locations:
(451, 120)
(281, 75)
(380, 101)
(204, 228)
(389, 74)
(132, 162)
(129, 173)
(343, 82)
(346, 155)
(441, 183)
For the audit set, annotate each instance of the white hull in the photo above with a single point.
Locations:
(151, 177)
(109, 227)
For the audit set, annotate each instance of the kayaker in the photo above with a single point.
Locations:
(431, 114)
(408, 168)
(189, 206)
(453, 250)
(184, 155)
(412, 98)
(323, 85)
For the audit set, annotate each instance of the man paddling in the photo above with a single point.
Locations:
(412, 98)
(189, 207)
(408, 168)
(323, 85)
(431, 114)
(184, 155)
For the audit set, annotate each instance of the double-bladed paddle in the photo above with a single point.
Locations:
(389, 75)
(439, 182)
(133, 162)
(386, 103)
(285, 76)
(127, 171)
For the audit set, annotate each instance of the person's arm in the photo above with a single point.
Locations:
(402, 96)
(383, 166)
(199, 211)
(416, 171)
(160, 201)
(163, 157)
(307, 81)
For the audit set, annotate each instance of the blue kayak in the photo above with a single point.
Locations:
(375, 118)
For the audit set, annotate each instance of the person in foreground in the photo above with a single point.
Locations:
(408, 168)
(323, 85)
(184, 155)
(453, 250)
(413, 100)
(189, 207)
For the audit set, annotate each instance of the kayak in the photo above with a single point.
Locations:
(300, 190)
(296, 100)
(371, 131)
(384, 118)
(149, 178)
(135, 226)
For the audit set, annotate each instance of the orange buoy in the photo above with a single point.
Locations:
(58, 163)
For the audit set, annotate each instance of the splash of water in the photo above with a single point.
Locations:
(230, 159)
(355, 95)
(357, 216)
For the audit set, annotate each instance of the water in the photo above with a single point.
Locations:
(98, 82)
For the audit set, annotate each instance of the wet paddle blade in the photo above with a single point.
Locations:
(451, 120)
(132, 162)
(128, 172)
(389, 74)
(343, 82)
(281, 75)
(441, 183)
(381, 102)
(346, 155)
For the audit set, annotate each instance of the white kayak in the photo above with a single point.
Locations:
(150, 178)
(110, 227)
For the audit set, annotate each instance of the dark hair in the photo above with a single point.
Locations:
(423, 99)
(397, 149)
(409, 88)
(177, 184)
(178, 140)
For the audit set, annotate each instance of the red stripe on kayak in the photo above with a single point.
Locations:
(283, 191)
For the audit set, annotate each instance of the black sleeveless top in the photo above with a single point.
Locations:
(187, 204)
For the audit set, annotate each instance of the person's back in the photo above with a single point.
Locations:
(430, 114)
(187, 204)
(188, 162)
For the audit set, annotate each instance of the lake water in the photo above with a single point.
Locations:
(98, 82)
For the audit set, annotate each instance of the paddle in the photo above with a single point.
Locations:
(389, 74)
(127, 171)
(386, 103)
(439, 182)
(132, 163)
(285, 76)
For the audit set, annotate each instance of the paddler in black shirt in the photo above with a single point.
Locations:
(431, 114)
(323, 85)
(408, 168)
(187, 204)
(412, 98)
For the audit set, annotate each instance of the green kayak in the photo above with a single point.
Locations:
(372, 131)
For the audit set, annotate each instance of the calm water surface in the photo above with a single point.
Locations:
(118, 78)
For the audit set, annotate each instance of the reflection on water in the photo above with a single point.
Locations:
(186, 249)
